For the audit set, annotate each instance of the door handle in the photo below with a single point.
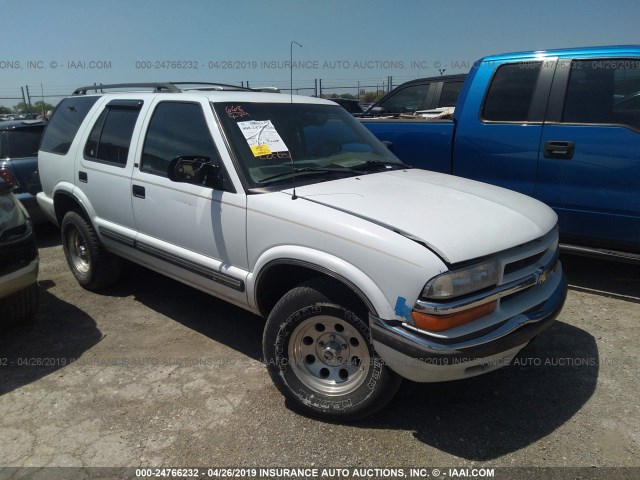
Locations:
(82, 176)
(138, 191)
(559, 149)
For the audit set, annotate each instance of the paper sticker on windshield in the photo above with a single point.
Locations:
(262, 136)
(260, 150)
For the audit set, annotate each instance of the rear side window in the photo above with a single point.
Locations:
(64, 124)
(511, 91)
(110, 137)
(24, 142)
(176, 129)
(604, 92)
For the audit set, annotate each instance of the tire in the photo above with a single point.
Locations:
(318, 352)
(20, 307)
(93, 267)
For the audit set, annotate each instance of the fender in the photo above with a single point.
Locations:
(322, 262)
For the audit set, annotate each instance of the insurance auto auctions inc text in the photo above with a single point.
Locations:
(363, 472)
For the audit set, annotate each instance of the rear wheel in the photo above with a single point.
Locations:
(319, 355)
(90, 263)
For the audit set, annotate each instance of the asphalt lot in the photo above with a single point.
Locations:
(154, 373)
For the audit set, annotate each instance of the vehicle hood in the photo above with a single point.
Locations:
(459, 219)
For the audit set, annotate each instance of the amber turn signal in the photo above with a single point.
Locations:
(438, 323)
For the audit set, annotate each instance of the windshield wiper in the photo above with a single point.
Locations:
(386, 165)
(295, 171)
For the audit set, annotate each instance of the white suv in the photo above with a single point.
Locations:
(367, 270)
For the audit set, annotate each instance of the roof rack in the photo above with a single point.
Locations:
(171, 87)
(157, 87)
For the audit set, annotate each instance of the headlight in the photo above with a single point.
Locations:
(461, 282)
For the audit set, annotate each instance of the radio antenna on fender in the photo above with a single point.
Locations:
(293, 197)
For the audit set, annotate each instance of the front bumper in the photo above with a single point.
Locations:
(423, 359)
(13, 282)
(18, 261)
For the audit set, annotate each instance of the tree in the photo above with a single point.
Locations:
(41, 106)
(21, 107)
(347, 95)
(370, 97)
(36, 107)
(4, 110)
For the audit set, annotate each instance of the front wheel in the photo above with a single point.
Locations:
(319, 354)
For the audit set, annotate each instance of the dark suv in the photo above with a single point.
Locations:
(421, 94)
(19, 142)
(18, 260)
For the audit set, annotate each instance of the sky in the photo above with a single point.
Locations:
(55, 46)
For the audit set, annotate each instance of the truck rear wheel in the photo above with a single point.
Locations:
(318, 352)
(90, 263)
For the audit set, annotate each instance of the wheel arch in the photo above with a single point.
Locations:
(276, 276)
(64, 201)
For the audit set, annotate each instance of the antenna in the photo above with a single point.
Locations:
(294, 196)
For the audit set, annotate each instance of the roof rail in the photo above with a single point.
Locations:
(211, 86)
(157, 87)
(171, 87)
(267, 89)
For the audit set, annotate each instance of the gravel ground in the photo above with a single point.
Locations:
(153, 373)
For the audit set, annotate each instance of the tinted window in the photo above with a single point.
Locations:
(511, 91)
(64, 124)
(450, 93)
(110, 137)
(24, 142)
(176, 129)
(604, 92)
(407, 100)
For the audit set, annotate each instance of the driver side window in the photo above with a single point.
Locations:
(176, 129)
(407, 100)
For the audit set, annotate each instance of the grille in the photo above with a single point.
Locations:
(523, 263)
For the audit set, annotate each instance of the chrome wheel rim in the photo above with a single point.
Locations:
(329, 355)
(78, 251)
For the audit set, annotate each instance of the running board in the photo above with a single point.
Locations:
(603, 253)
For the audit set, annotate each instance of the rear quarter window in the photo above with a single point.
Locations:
(65, 122)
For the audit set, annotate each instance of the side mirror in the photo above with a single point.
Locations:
(388, 144)
(193, 169)
(376, 110)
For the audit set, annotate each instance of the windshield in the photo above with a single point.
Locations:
(325, 141)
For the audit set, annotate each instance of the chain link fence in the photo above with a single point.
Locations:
(28, 98)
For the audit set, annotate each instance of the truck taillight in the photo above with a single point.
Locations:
(6, 174)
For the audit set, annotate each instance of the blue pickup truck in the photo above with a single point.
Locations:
(562, 126)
